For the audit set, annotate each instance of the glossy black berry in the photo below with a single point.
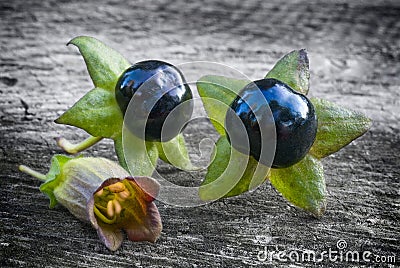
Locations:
(157, 90)
(291, 120)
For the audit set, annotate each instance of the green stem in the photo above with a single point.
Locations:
(73, 148)
(32, 172)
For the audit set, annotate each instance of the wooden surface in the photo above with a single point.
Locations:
(354, 52)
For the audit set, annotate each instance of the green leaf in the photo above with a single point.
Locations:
(293, 69)
(104, 64)
(54, 177)
(217, 93)
(302, 184)
(97, 113)
(337, 127)
(231, 173)
(139, 156)
(174, 152)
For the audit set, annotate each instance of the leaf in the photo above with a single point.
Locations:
(104, 64)
(231, 173)
(293, 69)
(302, 184)
(217, 93)
(97, 113)
(140, 157)
(54, 177)
(175, 153)
(337, 127)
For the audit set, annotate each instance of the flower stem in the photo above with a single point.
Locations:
(73, 148)
(32, 172)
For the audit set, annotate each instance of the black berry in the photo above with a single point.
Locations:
(291, 113)
(156, 88)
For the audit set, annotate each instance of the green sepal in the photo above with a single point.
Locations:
(302, 184)
(97, 113)
(104, 64)
(217, 93)
(293, 70)
(337, 127)
(54, 177)
(139, 157)
(119, 150)
(174, 152)
(231, 173)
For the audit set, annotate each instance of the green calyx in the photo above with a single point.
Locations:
(337, 127)
(104, 64)
(231, 173)
(217, 93)
(98, 114)
(293, 70)
(52, 179)
(302, 184)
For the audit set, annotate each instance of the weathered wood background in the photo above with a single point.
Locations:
(354, 51)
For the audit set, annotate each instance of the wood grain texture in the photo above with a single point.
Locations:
(354, 51)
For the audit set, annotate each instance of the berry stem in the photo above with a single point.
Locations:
(73, 148)
(32, 172)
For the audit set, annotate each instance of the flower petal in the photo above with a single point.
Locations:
(137, 214)
(111, 237)
(149, 186)
(150, 229)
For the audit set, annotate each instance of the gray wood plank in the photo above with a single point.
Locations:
(354, 51)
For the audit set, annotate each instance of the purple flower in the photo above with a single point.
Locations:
(101, 192)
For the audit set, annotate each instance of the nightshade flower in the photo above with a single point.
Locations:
(101, 192)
